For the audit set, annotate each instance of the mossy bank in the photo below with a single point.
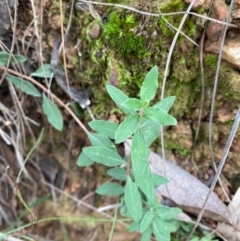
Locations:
(129, 44)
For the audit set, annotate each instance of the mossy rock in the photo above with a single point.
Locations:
(131, 43)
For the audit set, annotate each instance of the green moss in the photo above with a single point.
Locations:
(172, 6)
(119, 33)
(191, 25)
(229, 84)
(129, 51)
(131, 44)
(211, 60)
(176, 146)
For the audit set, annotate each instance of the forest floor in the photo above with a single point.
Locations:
(68, 208)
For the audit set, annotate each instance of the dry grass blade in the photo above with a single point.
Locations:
(219, 169)
(157, 14)
(9, 238)
(232, 133)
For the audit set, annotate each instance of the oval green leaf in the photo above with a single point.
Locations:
(146, 221)
(159, 180)
(146, 235)
(84, 161)
(118, 97)
(110, 189)
(53, 114)
(15, 58)
(126, 128)
(150, 130)
(107, 128)
(104, 155)
(160, 116)
(133, 227)
(165, 104)
(149, 85)
(44, 71)
(160, 230)
(23, 85)
(166, 213)
(132, 200)
(76, 107)
(118, 173)
(97, 139)
(140, 165)
(133, 104)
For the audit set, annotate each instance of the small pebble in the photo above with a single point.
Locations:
(95, 31)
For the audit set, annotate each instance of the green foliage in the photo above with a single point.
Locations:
(23, 85)
(211, 60)
(119, 33)
(11, 58)
(175, 6)
(110, 189)
(143, 125)
(170, 7)
(104, 127)
(77, 109)
(43, 71)
(132, 199)
(52, 112)
(185, 228)
(103, 155)
(84, 161)
(118, 173)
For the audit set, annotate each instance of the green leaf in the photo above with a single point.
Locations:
(97, 139)
(126, 128)
(132, 200)
(103, 155)
(146, 235)
(118, 173)
(165, 104)
(166, 213)
(44, 71)
(206, 239)
(195, 239)
(23, 85)
(123, 209)
(133, 104)
(149, 85)
(160, 230)
(53, 114)
(172, 225)
(76, 107)
(106, 128)
(84, 161)
(146, 221)
(140, 165)
(150, 130)
(118, 97)
(133, 227)
(159, 180)
(15, 58)
(110, 189)
(160, 116)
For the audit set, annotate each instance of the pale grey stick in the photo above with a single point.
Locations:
(220, 167)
